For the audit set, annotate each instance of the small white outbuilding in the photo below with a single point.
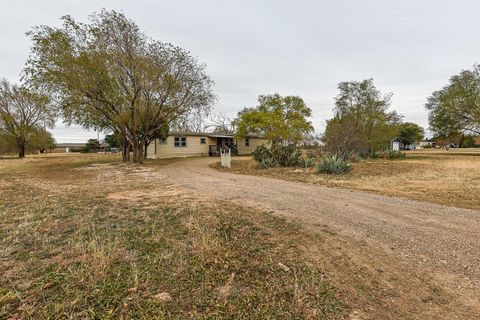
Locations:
(395, 144)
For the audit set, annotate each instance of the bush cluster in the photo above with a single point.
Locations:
(333, 164)
(263, 156)
(291, 156)
(278, 156)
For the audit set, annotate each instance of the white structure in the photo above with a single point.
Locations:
(226, 158)
(395, 144)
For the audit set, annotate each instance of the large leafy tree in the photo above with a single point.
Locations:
(282, 120)
(22, 113)
(410, 132)
(362, 123)
(108, 75)
(41, 140)
(456, 107)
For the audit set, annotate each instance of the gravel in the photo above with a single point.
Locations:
(443, 240)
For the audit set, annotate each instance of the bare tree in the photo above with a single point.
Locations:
(220, 123)
(22, 112)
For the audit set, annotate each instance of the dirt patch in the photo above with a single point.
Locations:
(161, 194)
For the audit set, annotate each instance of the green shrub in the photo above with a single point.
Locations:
(287, 155)
(264, 157)
(277, 156)
(307, 162)
(333, 164)
(468, 142)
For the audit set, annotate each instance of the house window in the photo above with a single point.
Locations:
(247, 142)
(162, 141)
(203, 140)
(180, 141)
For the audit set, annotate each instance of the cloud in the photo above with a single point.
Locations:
(304, 48)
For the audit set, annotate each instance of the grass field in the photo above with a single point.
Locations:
(89, 237)
(446, 177)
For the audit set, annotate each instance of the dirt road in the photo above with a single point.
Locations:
(441, 241)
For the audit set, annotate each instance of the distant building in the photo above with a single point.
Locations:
(77, 147)
(397, 145)
(68, 147)
(425, 144)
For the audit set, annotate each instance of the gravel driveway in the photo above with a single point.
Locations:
(441, 239)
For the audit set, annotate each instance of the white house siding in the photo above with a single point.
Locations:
(156, 150)
(168, 150)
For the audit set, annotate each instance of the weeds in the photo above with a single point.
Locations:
(70, 252)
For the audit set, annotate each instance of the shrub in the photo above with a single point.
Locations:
(307, 162)
(263, 156)
(333, 164)
(468, 142)
(278, 156)
(287, 155)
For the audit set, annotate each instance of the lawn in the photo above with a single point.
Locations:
(90, 237)
(446, 177)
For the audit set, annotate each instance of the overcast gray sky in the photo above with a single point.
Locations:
(410, 47)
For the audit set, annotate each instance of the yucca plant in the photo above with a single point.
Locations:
(264, 157)
(333, 164)
(308, 162)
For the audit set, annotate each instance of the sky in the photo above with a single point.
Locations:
(304, 48)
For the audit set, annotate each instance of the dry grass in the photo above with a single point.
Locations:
(445, 177)
(89, 237)
(92, 238)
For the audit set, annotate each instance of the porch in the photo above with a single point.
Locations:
(223, 143)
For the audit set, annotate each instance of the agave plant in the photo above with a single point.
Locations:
(308, 162)
(333, 164)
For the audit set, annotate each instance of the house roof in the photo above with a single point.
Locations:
(70, 145)
(77, 145)
(210, 134)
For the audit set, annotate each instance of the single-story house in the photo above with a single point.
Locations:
(191, 144)
(76, 147)
(68, 147)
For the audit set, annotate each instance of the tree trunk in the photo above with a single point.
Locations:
(145, 147)
(137, 147)
(124, 152)
(125, 145)
(21, 148)
(146, 143)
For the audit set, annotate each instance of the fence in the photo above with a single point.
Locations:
(226, 158)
